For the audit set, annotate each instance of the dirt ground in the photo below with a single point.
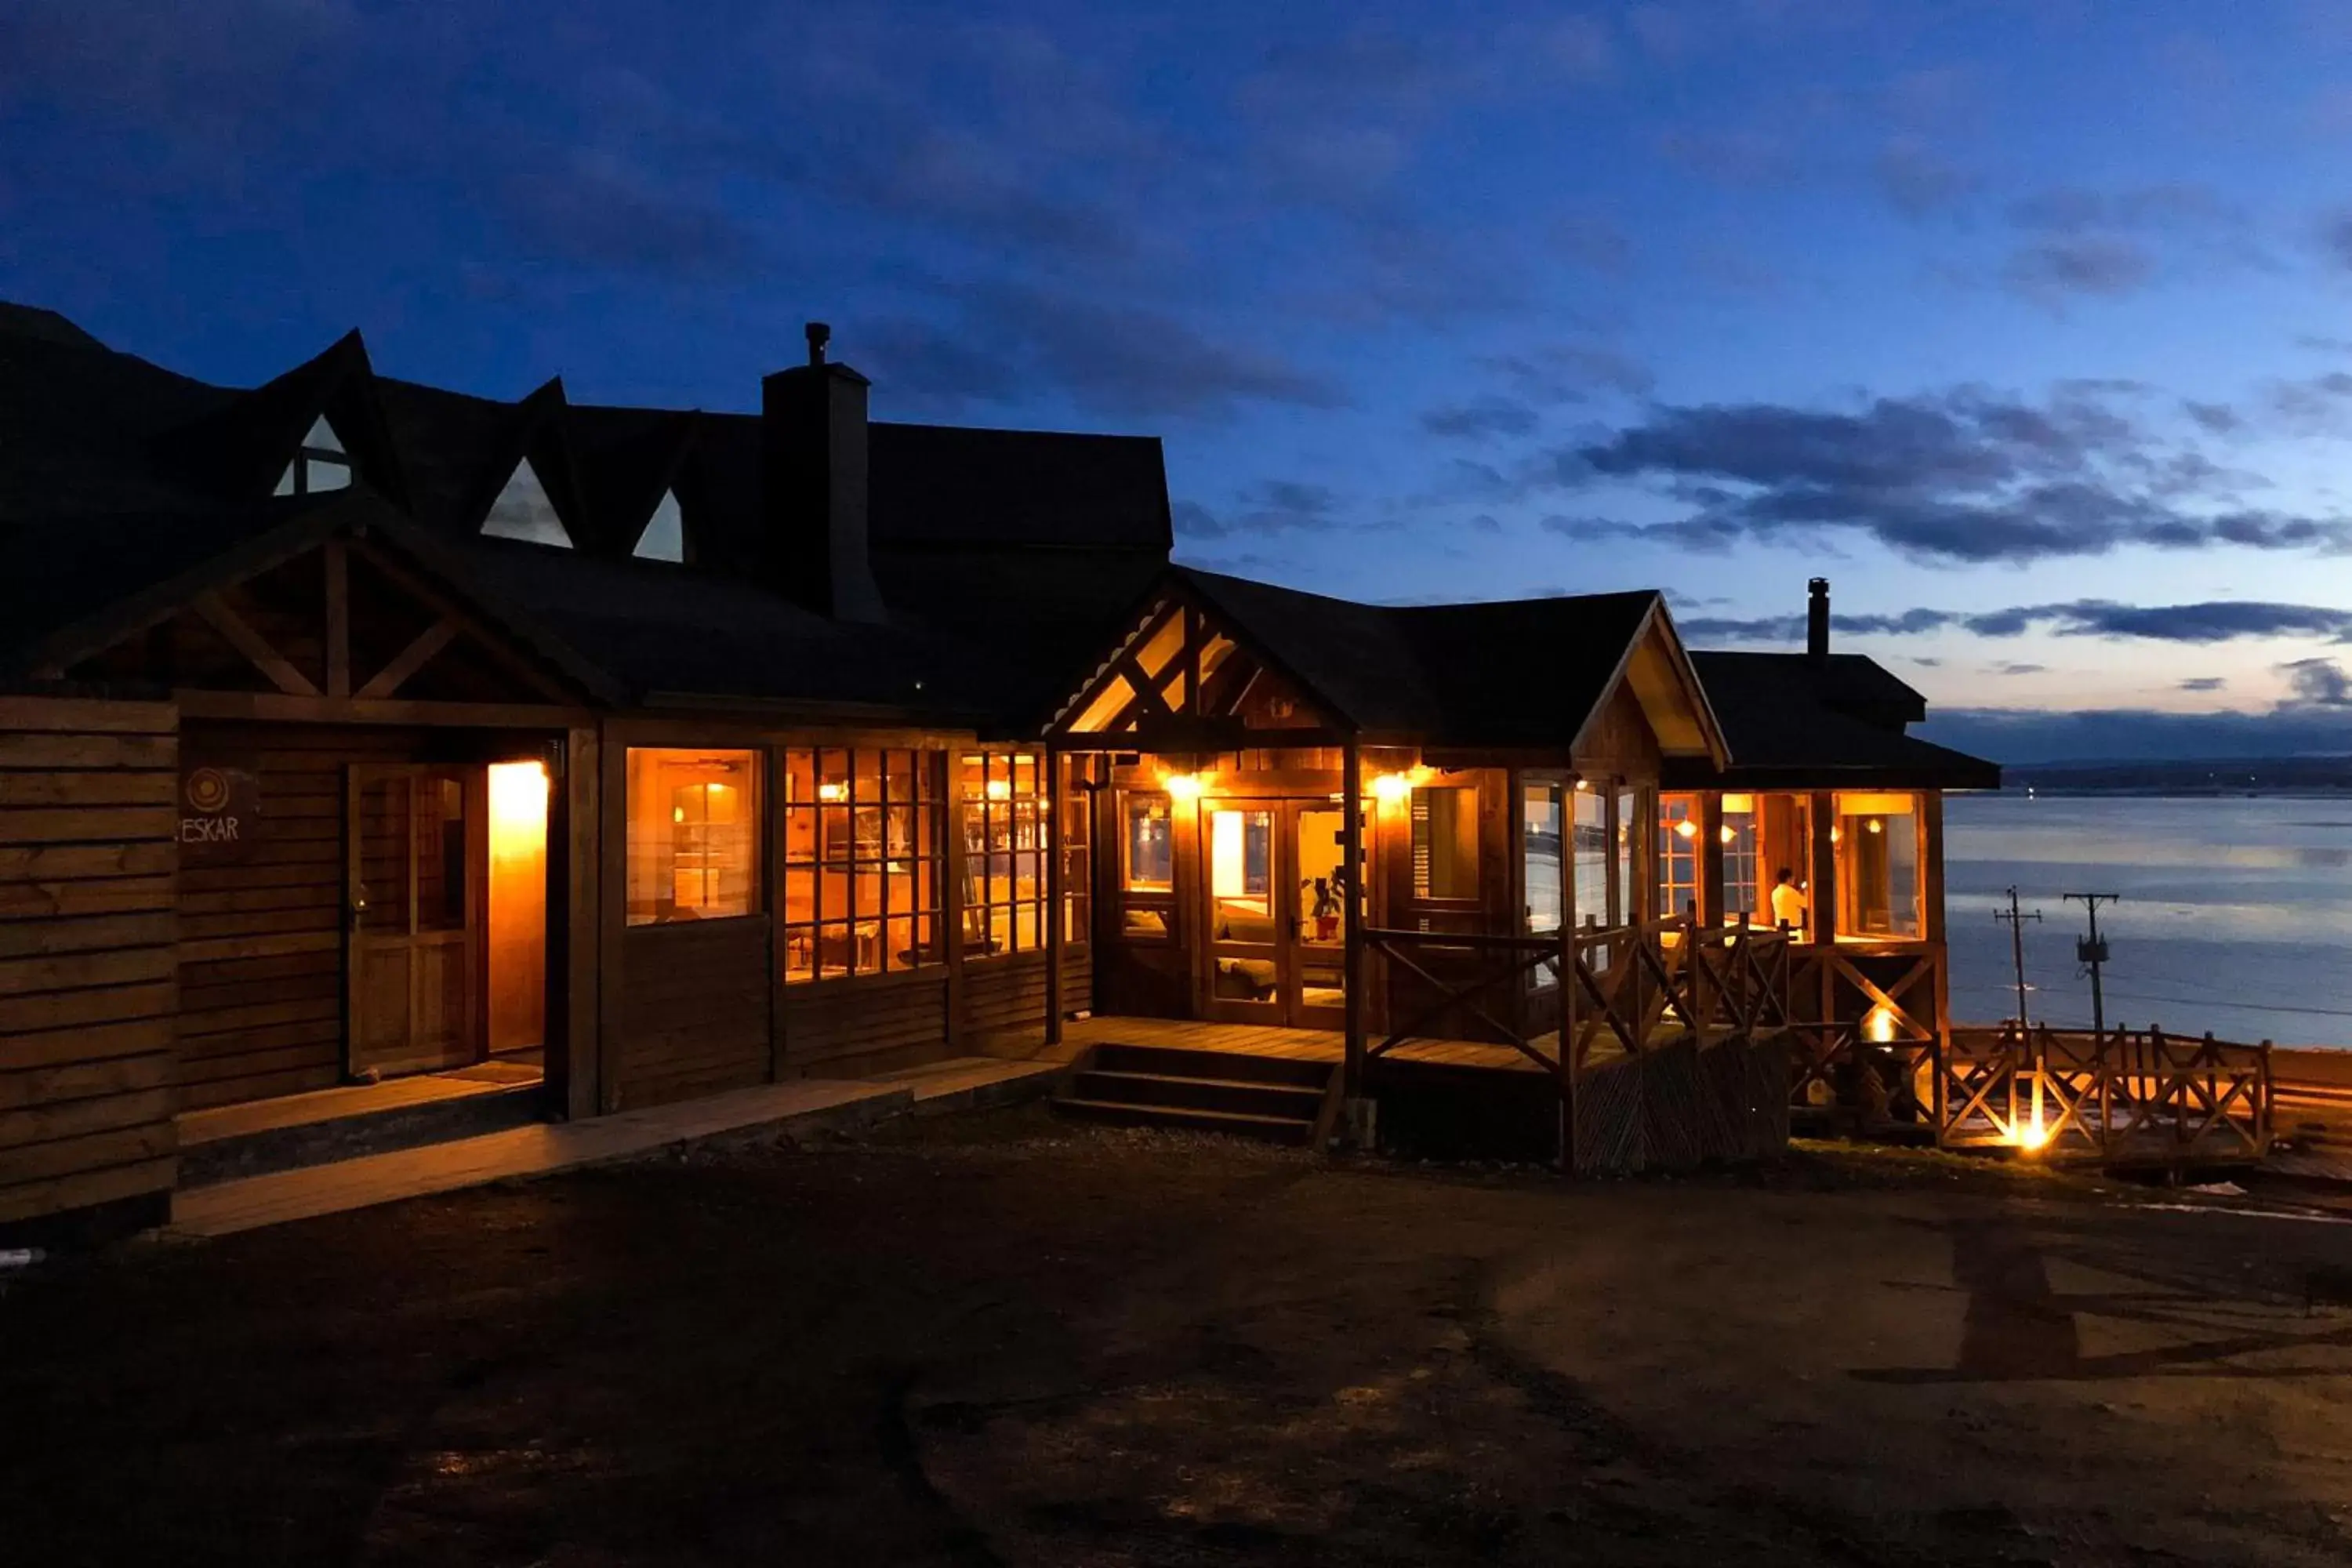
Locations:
(996, 1339)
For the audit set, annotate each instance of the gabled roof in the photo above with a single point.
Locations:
(1528, 673)
(1797, 723)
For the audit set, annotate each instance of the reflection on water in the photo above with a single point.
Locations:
(2236, 914)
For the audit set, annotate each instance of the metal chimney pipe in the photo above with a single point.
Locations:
(1817, 620)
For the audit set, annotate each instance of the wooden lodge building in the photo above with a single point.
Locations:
(351, 728)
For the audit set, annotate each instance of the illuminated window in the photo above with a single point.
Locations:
(1146, 864)
(1540, 859)
(1445, 843)
(1877, 849)
(1078, 861)
(694, 835)
(321, 464)
(1003, 801)
(1629, 854)
(864, 850)
(1678, 855)
(1590, 865)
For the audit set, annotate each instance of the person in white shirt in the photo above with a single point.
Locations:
(1787, 902)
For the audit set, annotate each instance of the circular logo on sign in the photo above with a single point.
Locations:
(207, 790)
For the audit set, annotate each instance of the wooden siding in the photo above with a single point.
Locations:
(1009, 991)
(851, 1028)
(87, 856)
(261, 939)
(694, 1010)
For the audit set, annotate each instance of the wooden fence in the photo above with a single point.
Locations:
(2129, 1098)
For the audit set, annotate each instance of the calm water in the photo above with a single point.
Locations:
(2236, 914)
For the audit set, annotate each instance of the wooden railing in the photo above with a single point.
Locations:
(1866, 1018)
(2124, 1098)
(1633, 986)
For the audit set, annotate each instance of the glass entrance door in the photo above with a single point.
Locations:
(1317, 994)
(1245, 919)
(413, 888)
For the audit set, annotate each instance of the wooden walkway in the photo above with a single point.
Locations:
(215, 1123)
(796, 1108)
(1246, 1039)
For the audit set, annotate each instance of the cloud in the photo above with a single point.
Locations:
(2201, 623)
(1964, 475)
(2218, 418)
(1480, 419)
(2013, 669)
(1270, 506)
(1013, 342)
(1556, 374)
(593, 209)
(1917, 182)
(2202, 683)
(2081, 264)
(2317, 683)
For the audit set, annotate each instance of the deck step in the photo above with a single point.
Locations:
(1185, 1061)
(332, 1125)
(1275, 1098)
(1297, 1101)
(1266, 1129)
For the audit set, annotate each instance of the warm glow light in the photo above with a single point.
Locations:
(831, 792)
(1837, 834)
(1730, 834)
(1686, 828)
(517, 800)
(1000, 789)
(1391, 787)
(1879, 1025)
(1583, 785)
(1875, 825)
(2032, 1136)
(1181, 786)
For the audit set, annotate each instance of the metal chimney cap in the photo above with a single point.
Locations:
(1819, 586)
(818, 335)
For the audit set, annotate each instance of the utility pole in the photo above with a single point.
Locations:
(2016, 923)
(2092, 950)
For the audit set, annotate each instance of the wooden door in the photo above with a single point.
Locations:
(1243, 916)
(417, 846)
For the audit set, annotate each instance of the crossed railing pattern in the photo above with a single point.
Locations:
(1631, 985)
(2125, 1096)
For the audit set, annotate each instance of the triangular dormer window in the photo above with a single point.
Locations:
(321, 464)
(523, 511)
(664, 535)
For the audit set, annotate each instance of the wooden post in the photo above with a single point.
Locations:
(1056, 937)
(1352, 915)
(611, 917)
(582, 910)
(776, 763)
(1711, 910)
(1567, 1065)
(953, 863)
(1932, 926)
(1821, 909)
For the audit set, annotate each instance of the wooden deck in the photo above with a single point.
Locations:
(1246, 1039)
(215, 1123)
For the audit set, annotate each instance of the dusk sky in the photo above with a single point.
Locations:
(2029, 324)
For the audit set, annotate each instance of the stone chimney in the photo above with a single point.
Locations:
(1817, 621)
(813, 419)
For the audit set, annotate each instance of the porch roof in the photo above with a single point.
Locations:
(1511, 674)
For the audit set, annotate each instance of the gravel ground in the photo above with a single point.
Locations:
(993, 1338)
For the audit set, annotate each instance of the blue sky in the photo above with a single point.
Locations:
(2018, 321)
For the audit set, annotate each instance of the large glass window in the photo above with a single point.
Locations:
(1003, 806)
(1628, 852)
(1078, 861)
(862, 851)
(694, 835)
(1590, 866)
(1539, 840)
(1147, 864)
(1678, 856)
(1877, 840)
(1445, 843)
(1767, 860)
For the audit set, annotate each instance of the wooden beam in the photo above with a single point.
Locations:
(410, 659)
(336, 558)
(240, 635)
(1055, 936)
(1352, 856)
(283, 708)
(493, 642)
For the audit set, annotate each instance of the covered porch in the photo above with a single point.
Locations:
(1324, 828)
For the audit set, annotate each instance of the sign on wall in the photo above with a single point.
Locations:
(219, 808)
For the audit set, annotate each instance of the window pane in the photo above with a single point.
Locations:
(1743, 896)
(1445, 843)
(1539, 850)
(1785, 854)
(1592, 864)
(800, 953)
(693, 834)
(1150, 844)
(1879, 866)
(440, 855)
(1678, 855)
(1628, 850)
(835, 952)
(320, 474)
